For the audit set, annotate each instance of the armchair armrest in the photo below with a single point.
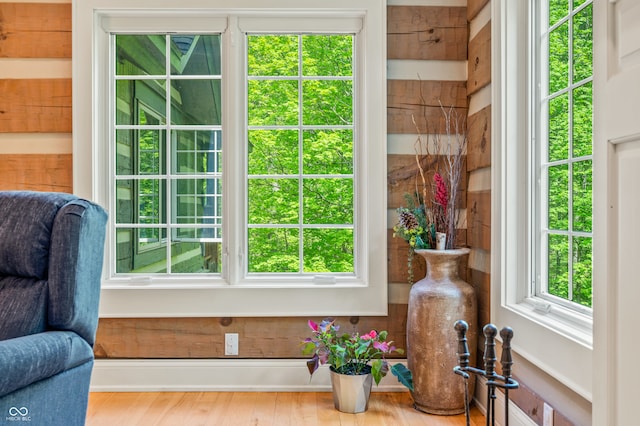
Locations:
(28, 359)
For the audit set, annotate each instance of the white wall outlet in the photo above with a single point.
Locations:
(231, 344)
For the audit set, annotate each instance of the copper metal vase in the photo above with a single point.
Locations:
(435, 303)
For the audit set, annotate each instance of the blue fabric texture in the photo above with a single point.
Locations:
(25, 231)
(60, 400)
(51, 252)
(39, 356)
(23, 306)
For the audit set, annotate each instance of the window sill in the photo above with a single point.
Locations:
(570, 324)
(201, 299)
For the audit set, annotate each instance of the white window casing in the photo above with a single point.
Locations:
(231, 294)
(555, 339)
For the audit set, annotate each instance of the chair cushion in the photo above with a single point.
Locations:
(23, 306)
(26, 220)
(29, 359)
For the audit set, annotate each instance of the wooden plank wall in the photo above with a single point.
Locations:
(35, 100)
(427, 59)
(479, 156)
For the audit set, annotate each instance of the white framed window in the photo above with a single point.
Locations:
(563, 121)
(238, 181)
(536, 196)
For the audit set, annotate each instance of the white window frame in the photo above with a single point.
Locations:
(232, 294)
(555, 339)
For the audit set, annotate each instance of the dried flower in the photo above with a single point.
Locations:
(434, 202)
(442, 194)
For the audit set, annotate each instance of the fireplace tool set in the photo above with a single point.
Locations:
(494, 380)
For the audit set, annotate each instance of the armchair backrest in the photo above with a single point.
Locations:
(51, 254)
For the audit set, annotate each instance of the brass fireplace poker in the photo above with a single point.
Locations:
(494, 380)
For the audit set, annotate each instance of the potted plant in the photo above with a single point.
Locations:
(441, 297)
(355, 360)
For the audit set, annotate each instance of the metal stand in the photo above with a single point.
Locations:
(494, 380)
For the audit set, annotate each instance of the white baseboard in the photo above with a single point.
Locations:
(517, 417)
(238, 375)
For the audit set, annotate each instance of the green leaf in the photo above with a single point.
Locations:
(403, 374)
(376, 370)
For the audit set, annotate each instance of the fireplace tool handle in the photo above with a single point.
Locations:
(506, 361)
(490, 331)
(461, 328)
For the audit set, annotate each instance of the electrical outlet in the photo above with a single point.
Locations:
(231, 344)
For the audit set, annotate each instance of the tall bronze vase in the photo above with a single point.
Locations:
(435, 303)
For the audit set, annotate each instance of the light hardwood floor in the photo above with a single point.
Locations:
(257, 408)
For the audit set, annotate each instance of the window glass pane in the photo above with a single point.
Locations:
(272, 55)
(273, 152)
(569, 138)
(320, 191)
(141, 250)
(328, 201)
(328, 250)
(273, 102)
(141, 150)
(140, 102)
(557, 10)
(558, 262)
(559, 58)
(273, 201)
(150, 150)
(328, 152)
(196, 201)
(198, 151)
(195, 54)
(558, 135)
(125, 152)
(583, 44)
(140, 54)
(195, 251)
(139, 201)
(327, 102)
(583, 120)
(582, 196)
(273, 249)
(582, 270)
(558, 202)
(198, 102)
(328, 55)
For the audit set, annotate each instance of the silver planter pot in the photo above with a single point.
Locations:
(351, 393)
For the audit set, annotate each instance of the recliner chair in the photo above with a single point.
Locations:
(51, 255)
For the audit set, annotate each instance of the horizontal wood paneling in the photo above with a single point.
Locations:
(29, 30)
(481, 282)
(275, 337)
(479, 65)
(479, 219)
(474, 7)
(35, 105)
(36, 172)
(409, 100)
(403, 178)
(427, 32)
(479, 139)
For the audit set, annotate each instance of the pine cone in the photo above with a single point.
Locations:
(408, 220)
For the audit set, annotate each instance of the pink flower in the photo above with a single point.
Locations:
(370, 335)
(383, 346)
(313, 325)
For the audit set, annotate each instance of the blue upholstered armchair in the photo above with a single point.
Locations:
(51, 252)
